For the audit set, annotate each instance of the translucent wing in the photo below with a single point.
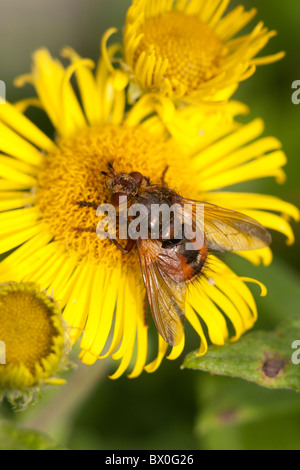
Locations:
(165, 285)
(224, 229)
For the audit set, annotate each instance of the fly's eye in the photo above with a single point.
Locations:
(118, 199)
(138, 177)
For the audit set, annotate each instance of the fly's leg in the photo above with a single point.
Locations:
(163, 181)
(130, 244)
(86, 204)
(93, 205)
(81, 230)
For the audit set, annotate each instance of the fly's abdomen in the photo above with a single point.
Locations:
(192, 261)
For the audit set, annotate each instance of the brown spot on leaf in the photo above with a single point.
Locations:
(228, 417)
(272, 367)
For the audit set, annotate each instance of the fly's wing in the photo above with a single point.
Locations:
(165, 285)
(223, 229)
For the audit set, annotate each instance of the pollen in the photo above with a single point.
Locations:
(31, 330)
(193, 50)
(74, 174)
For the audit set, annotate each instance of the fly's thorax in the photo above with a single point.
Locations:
(150, 198)
(157, 209)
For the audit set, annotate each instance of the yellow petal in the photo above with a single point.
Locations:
(106, 313)
(77, 308)
(194, 321)
(269, 165)
(257, 257)
(274, 222)
(162, 349)
(243, 201)
(14, 145)
(23, 126)
(87, 85)
(15, 239)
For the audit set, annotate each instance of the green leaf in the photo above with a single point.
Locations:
(260, 356)
(13, 438)
(234, 414)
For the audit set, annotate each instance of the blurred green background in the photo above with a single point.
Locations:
(173, 408)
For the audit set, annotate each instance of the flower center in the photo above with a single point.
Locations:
(26, 326)
(73, 174)
(193, 50)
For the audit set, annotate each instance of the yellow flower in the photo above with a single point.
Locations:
(33, 341)
(189, 50)
(100, 288)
